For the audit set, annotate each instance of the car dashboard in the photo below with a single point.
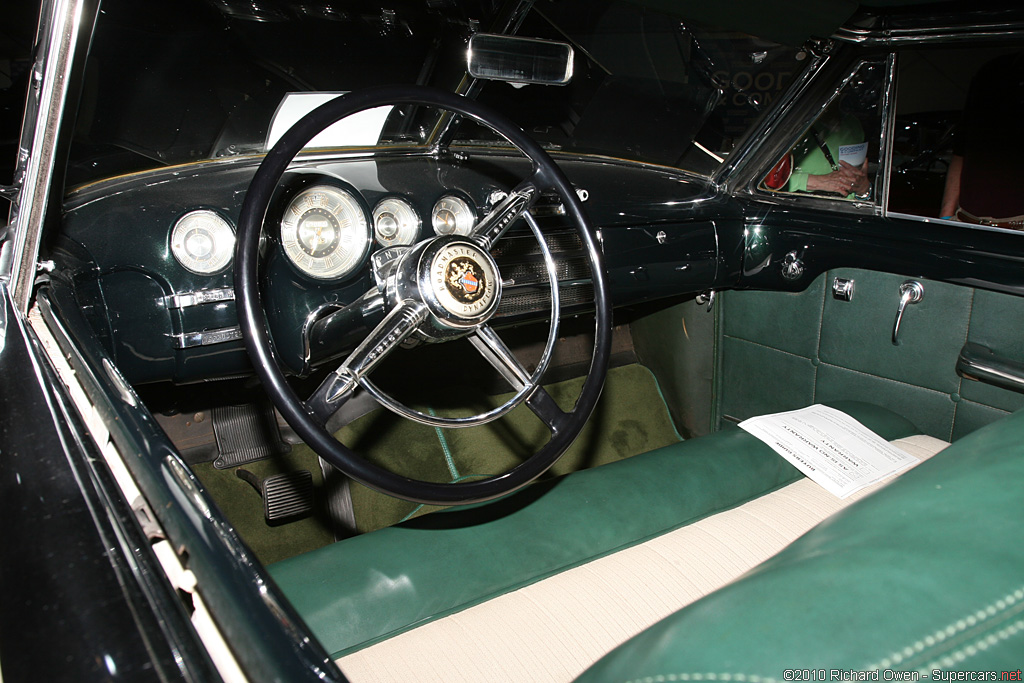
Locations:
(150, 255)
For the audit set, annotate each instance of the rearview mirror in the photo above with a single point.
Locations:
(497, 57)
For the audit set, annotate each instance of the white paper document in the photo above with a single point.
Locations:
(830, 447)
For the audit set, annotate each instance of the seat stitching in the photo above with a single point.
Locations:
(817, 344)
(936, 638)
(979, 645)
(444, 447)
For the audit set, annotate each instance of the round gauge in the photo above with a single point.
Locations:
(452, 216)
(202, 242)
(324, 232)
(395, 222)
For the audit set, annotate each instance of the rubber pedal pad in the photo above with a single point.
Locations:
(287, 497)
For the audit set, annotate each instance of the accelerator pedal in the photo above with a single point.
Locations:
(287, 497)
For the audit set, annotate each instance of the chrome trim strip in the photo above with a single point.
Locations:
(770, 127)
(56, 43)
(888, 119)
(947, 221)
(207, 337)
(200, 297)
(937, 34)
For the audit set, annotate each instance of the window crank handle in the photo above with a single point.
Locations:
(911, 292)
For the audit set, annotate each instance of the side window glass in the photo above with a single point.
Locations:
(837, 155)
(955, 151)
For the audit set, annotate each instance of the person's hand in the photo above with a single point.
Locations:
(847, 180)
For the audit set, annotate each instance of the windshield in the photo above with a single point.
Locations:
(176, 81)
(648, 86)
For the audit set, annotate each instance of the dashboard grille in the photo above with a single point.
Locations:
(518, 246)
(522, 267)
(535, 272)
(534, 300)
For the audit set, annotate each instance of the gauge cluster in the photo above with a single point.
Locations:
(325, 230)
(327, 234)
(396, 223)
(452, 215)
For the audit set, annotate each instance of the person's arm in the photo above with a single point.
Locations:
(951, 192)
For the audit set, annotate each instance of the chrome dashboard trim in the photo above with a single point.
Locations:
(200, 297)
(188, 340)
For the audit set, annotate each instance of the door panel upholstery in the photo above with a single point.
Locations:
(782, 351)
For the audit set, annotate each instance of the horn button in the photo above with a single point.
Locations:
(457, 280)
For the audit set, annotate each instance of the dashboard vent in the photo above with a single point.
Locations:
(520, 245)
(521, 263)
(534, 300)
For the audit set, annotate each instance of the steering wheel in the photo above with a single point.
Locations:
(442, 288)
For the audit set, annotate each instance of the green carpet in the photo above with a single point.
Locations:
(631, 418)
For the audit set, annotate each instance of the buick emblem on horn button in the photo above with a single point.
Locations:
(464, 281)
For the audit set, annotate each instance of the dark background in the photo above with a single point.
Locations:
(17, 33)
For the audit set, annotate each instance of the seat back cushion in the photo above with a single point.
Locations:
(927, 574)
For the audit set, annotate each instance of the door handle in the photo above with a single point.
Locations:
(911, 292)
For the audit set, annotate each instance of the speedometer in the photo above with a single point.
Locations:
(325, 233)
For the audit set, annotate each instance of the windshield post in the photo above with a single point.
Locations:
(57, 45)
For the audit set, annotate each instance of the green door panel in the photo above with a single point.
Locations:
(971, 416)
(857, 334)
(767, 318)
(931, 410)
(763, 379)
(778, 351)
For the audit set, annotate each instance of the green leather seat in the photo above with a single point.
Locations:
(925, 575)
(371, 587)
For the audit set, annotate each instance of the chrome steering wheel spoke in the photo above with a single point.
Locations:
(340, 385)
(505, 213)
(494, 350)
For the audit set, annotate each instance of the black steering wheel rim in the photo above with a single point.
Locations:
(259, 344)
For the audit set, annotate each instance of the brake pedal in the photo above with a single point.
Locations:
(287, 497)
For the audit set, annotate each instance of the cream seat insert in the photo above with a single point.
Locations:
(554, 629)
